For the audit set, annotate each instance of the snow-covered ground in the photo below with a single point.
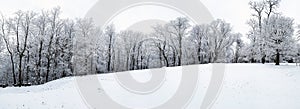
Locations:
(244, 86)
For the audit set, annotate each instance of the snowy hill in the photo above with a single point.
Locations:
(244, 86)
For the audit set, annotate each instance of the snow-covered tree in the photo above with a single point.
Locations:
(258, 7)
(220, 41)
(110, 36)
(55, 26)
(64, 49)
(213, 42)
(179, 28)
(129, 42)
(199, 35)
(5, 34)
(254, 36)
(271, 7)
(164, 43)
(20, 25)
(2, 80)
(84, 46)
(262, 11)
(239, 49)
(280, 39)
(39, 40)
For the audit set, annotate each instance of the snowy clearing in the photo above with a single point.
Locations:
(245, 86)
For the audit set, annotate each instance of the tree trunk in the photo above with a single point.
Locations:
(180, 50)
(164, 55)
(20, 70)
(39, 65)
(48, 67)
(160, 58)
(49, 56)
(27, 67)
(252, 60)
(277, 60)
(263, 59)
(199, 55)
(166, 59)
(109, 54)
(174, 58)
(13, 68)
(127, 60)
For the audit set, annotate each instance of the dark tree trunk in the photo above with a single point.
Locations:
(48, 68)
(263, 59)
(166, 59)
(253, 60)
(164, 55)
(27, 67)
(160, 58)
(138, 56)
(180, 50)
(277, 60)
(20, 70)
(199, 55)
(133, 58)
(49, 57)
(39, 65)
(127, 60)
(109, 53)
(13, 69)
(174, 58)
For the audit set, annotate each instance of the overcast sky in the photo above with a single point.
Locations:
(236, 12)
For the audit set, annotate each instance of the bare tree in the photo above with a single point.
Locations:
(5, 33)
(84, 46)
(111, 35)
(55, 27)
(21, 25)
(253, 35)
(128, 42)
(199, 36)
(220, 41)
(271, 6)
(162, 42)
(259, 8)
(41, 24)
(179, 29)
(268, 7)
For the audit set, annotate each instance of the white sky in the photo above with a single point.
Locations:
(236, 12)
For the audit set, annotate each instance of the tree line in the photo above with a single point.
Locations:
(37, 47)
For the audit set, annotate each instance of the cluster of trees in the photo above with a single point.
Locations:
(37, 47)
(271, 34)
(173, 44)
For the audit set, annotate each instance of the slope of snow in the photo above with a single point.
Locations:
(260, 87)
(245, 86)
